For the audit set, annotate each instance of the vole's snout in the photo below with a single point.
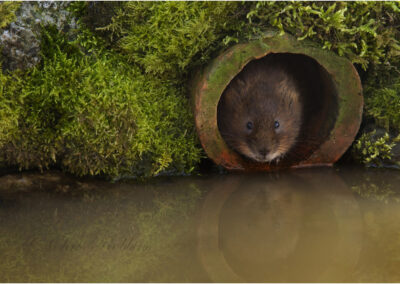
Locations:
(264, 152)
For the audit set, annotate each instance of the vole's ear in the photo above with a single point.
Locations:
(289, 92)
(239, 86)
(241, 83)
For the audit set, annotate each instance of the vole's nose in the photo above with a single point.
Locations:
(263, 152)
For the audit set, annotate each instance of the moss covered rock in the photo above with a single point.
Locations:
(22, 25)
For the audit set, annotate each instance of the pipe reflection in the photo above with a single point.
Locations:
(301, 226)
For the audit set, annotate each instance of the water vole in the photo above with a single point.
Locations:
(260, 112)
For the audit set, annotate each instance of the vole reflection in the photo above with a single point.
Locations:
(281, 228)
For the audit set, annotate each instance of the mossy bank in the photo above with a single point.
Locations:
(109, 93)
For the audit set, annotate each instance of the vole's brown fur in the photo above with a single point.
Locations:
(260, 112)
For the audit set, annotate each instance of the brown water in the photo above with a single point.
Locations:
(312, 225)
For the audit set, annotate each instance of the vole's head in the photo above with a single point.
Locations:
(261, 118)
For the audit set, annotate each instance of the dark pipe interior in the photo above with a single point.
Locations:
(320, 102)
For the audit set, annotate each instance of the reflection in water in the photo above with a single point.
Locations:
(304, 225)
(282, 229)
(67, 231)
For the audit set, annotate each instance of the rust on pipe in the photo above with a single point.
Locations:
(340, 81)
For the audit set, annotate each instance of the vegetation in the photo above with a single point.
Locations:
(7, 13)
(383, 104)
(92, 114)
(375, 150)
(167, 39)
(113, 101)
(9, 110)
(364, 32)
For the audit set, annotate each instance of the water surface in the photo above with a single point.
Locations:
(313, 225)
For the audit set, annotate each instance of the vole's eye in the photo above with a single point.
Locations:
(276, 124)
(249, 125)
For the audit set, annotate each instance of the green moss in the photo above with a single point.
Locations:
(7, 12)
(96, 15)
(9, 110)
(92, 114)
(364, 32)
(7, 16)
(375, 150)
(383, 105)
(169, 38)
